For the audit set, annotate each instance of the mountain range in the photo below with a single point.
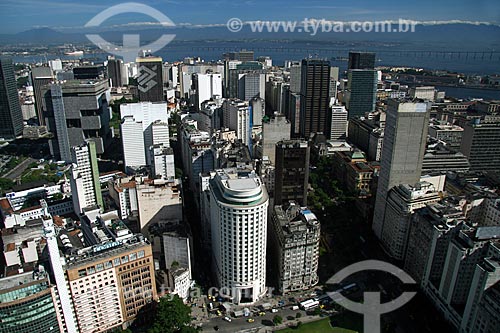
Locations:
(457, 35)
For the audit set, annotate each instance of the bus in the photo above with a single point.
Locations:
(309, 304)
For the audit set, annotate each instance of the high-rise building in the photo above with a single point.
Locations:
(115, 72)
(449, 134)
(236, 70)
(238, 118)
(78, 111)
(481, 144)
(456, 265)
(361, 60)
(143, 125)
(207, 86)
(197, 156)
(425, 93)
(402, 201)
(362, 92)
(293, 114)
(243, 55)
(258, 107)
(162, 161)
(339, 123)
(294, 235)
(91, 72)
(292, 172)
(27, 304)
(11, 116)
(41, 77)
(150, 79)
(315, 101)
(252, 85)
(108, 277)
(403, 152)
(274, 131)
(84, 178)
(238, 207)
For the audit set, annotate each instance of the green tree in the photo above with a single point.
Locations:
(298, 315)
(172, 316)
(277, 320)
(5, 184)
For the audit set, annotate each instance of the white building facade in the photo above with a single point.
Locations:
(238, 207)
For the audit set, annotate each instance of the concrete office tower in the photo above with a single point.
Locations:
(237, 117)
(314, 91)
(339, 123)
(449, 134)
(293, 114)
(56, 65)
(481, 144)
(403, 152)
(11, 116)
(292, 172)
(162, 162)
(241, 69)
(274, 131)
(41, 77)
(426, 93)
(150, 79)
(132, 134)
(361, 60)
(208, 86)
(251, 85)
(294, 235)
(295, 78)
(258, 107)
(148, 121)
(210, 116)
(238, 207)
(362, 92)
(84, 178)
(76, 112)
(115, 72)
(197, 156)
(402, 201)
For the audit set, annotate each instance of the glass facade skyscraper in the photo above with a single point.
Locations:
(11, 117)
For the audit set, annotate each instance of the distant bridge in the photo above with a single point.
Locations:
(464, 55)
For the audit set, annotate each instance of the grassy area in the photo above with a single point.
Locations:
(320, 326)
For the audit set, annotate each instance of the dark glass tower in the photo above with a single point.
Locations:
(314, 91)
(362, 88)
(361, 60)
(41, 77)
(11, 117)
(115, 72)
(292, 172)
(150, 79)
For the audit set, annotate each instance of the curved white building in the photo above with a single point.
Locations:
(238, 205)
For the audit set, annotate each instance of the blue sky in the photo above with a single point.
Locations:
(20, 15)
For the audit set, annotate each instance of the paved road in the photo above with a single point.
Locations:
(261, 323)
(19, 169)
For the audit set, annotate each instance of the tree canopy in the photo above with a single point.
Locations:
(172, 316)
